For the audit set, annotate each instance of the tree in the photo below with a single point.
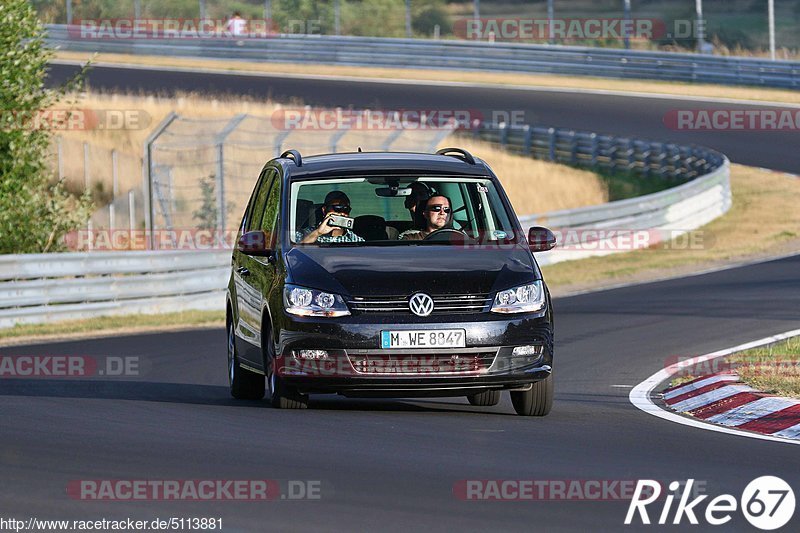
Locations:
(35, 211)
(206, 214)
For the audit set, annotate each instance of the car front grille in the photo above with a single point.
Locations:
(442, 304)
(422, 364)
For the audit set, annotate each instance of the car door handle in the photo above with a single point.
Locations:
(242, 271)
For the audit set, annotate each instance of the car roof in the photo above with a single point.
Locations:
(381, 163)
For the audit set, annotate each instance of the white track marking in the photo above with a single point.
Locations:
(699, 385)
(790, 432)
(695, 402)
(750, 411)
(640, 395)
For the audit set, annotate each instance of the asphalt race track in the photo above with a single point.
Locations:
(393, 464)
(620, 115)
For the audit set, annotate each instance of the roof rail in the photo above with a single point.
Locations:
(294, 154)
(460, 153)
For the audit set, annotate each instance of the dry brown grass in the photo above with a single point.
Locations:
(772, 369)
(533, 186)
(763, 221)
(537, 186)
(156, 108)
(533, 80)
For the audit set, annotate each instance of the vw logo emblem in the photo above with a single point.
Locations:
(421, 304)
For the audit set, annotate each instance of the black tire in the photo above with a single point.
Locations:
(244, 384)
(537, 401)
(485, 398)
(281, 395)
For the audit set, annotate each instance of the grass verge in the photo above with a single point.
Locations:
(762, 222)
(557, 186)
(440, 75)
(109, 325)
(772, 369)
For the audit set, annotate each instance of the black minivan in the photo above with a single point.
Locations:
(388, 275)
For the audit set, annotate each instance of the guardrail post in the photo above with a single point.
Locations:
(503, 134)
(631, 154)
(593, 138)
(131, 211)
(552, 133)
(112, 218)
(220, 142)
(573, 148)
(528, 140)
(220, 187)
(147, 176)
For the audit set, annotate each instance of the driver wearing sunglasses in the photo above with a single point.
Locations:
(437, 215)
(336, 203)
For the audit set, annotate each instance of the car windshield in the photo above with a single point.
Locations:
(397, 211)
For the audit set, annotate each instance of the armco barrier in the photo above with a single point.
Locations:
(38, 288)
(49, 287)
(454, 54)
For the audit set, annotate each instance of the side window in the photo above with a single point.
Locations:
(269, 221)
(255, 217)
(248, 211)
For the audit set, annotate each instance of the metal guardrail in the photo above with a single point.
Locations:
(702, 192)
(37, 288)
(44, 287)
(454, 54)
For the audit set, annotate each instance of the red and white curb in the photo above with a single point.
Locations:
(722, 399)
(720, 403)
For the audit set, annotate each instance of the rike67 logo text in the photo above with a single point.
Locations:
(767, 503)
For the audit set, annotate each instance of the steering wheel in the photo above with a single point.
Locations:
(447, 235)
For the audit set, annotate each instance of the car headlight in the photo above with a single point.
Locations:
(311, 302)
(523, 299)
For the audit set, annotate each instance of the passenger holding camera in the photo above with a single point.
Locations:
(437, 215)
(337, 204)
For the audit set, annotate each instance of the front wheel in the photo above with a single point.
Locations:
(281, 395)
(244, 384)
(485, 398)
(536, 401)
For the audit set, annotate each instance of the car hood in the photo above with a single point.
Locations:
(402, 270)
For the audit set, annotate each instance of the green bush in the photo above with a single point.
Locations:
(426, 17)
(35, 211)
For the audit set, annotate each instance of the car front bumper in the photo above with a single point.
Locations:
(354, 364)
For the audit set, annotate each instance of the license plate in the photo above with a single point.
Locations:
(424, 338)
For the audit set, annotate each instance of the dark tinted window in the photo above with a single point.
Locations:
(257, 214)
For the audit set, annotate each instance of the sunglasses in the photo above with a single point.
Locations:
(438, 208)
(339, 208)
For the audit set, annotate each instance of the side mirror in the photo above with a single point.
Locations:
(253, 243)
(541, 239)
